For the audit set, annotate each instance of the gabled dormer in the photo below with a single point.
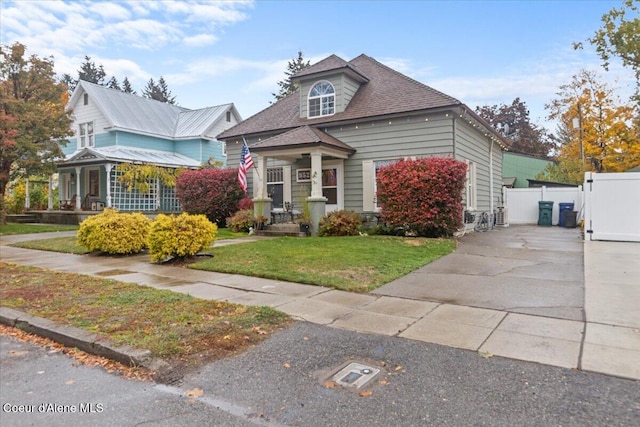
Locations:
(326, 88)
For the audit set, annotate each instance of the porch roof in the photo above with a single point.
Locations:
(119, 154)
(301, 137)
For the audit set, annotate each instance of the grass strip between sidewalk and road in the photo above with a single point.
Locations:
(173, 326)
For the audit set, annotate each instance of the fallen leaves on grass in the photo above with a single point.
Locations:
(80, 357)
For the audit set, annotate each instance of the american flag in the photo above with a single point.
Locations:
(246, 162)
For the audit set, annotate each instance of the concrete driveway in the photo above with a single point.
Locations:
(522, 269)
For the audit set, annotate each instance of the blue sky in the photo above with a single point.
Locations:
(211, 53)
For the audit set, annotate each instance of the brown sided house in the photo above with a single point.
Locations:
(324, 143)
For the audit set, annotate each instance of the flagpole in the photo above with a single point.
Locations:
(256, 168)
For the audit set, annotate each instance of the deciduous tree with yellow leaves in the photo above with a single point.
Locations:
(33, 116)
(600, 133)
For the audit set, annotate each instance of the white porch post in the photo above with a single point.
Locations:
(107, 169)
(50, 198)
(261, 186)
(316, 175)
(261, 200)
(78, 195)
(27, 197)
(317, 202)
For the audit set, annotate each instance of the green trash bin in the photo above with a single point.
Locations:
(545, 210)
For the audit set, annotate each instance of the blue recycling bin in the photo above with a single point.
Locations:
(563, 208)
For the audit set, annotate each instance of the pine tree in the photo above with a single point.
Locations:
(126, 86)
(113, 84)
(159, 91)
(88, 72)
(287, 86)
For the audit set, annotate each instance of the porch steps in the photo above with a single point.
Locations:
(22, 218)
(280, 230)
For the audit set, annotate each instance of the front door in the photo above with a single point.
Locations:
(332, 184)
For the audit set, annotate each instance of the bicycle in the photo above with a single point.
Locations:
(483, 223)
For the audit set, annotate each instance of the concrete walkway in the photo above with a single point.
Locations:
(520, 293)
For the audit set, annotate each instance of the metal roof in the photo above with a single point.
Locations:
(137, 114)
(129, 155)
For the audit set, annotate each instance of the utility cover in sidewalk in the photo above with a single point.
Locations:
(355, 375)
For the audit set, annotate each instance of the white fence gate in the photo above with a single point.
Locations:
(522, 203)
(612, 206)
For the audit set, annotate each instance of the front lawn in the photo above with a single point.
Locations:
(355, 263)
(70, 245)
(15, 228)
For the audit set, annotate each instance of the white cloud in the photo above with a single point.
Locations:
(112, 11)
(200, 40)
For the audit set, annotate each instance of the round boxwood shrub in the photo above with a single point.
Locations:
(340, 223)
(180, 236)
(114, 233)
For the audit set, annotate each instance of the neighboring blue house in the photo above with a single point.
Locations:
(112, 127)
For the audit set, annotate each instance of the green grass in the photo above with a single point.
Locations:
(169, 324)
(14, 228)
(67, 245)
(356, 264)
(70, 246)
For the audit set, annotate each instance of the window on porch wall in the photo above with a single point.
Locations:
(275, 187)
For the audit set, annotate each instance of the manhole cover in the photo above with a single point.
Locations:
(355, 375)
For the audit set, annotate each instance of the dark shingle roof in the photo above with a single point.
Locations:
(331, 63)
(387, 92)
(302, 136)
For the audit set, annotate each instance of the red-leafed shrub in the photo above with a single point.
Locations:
(340, 223)
(423, 196)
(212, 192)
(245, 204)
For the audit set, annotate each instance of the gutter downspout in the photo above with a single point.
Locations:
(491, 178)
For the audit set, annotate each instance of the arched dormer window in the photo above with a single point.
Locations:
(322, 99)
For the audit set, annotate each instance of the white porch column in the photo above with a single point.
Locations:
(27, 197)
(316, 175)
(261, 200)
(107, 169)
(50, 198)
(78, 194)
(261, 186)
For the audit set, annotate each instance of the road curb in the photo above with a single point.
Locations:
(82, 340)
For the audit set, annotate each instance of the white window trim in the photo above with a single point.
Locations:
(321, 98)
(86, 139)
(471, 187)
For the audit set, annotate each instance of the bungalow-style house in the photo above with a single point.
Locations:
(113, 127)
(324, 144)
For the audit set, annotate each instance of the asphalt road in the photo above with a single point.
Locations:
(284, 382)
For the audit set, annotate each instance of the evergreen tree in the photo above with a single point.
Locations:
(286, 85)
(88, 72)
(158, 91)
(113, 84)
(126, 86)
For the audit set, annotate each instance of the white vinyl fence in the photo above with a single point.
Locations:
(612, 206)
(522, 203)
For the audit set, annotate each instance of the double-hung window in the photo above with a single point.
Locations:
(85, 135)
(322, 100)
(470, 186)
